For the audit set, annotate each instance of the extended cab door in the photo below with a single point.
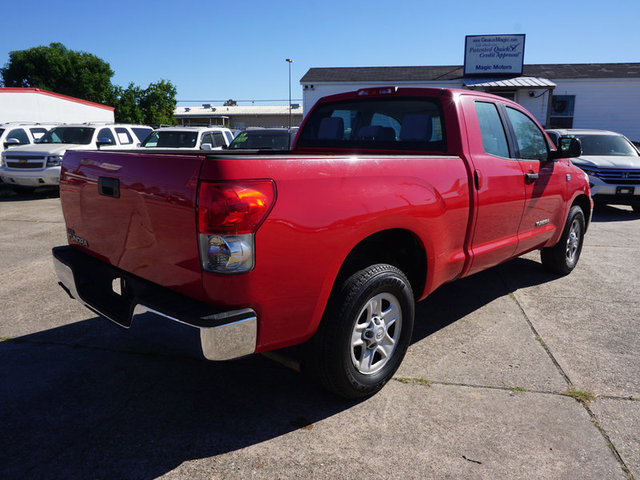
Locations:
(499, 191)
(545, 182)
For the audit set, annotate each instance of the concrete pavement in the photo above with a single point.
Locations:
(512, 373)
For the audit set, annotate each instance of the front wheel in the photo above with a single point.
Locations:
(364, 333)
(563, 257)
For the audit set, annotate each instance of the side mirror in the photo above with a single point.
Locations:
(206, 146)
(9, 142)
(568, 147)
(103, 142)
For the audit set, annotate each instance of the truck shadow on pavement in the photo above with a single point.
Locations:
(92, 412)
(458, 299)
(85, 400)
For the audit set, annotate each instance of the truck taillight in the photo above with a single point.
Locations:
(234, 208)
(229, 214)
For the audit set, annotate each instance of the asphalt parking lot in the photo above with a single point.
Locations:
(512, 373)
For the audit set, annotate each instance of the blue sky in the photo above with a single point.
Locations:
(227, 49)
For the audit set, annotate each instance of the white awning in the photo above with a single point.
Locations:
(516, 82)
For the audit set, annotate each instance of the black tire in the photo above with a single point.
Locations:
(374, 308)
(636, 208)
(563, 257)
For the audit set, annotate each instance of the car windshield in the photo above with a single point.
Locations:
(615, 145)
(171, 139)
(74, 135)
(262, 140)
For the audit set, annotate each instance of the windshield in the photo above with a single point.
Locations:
(376, 123)
(615, 145)
(74, 135)
(262, 140)
(171, 139)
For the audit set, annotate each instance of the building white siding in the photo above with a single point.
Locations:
(31, 105)
(607, 104)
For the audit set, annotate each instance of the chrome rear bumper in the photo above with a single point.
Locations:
(223, 335)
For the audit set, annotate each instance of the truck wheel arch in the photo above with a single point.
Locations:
(398, 247)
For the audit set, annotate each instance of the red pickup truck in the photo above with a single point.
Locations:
(387, 194)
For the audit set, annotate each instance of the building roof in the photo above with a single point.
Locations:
(518, 82)
(40, 91)
(456, 72)
(222, 111)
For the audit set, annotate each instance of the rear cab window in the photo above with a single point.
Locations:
(377, 123)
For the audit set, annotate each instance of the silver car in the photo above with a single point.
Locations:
(611, 161)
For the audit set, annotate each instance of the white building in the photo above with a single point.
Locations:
(599, 95)
(42, 106)
(239, 116)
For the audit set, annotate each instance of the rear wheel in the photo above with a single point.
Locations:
(364, 334)
(563, 257)
(636, 208)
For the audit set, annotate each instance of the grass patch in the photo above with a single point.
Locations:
(541, 342)
(579, 395)
(414, 380)
(518, 389)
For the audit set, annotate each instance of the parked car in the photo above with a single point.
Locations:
(191, 138)
(611, 161)
(21, 133)
(264, 139)
(29, 166)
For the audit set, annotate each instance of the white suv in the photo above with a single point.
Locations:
(189, 138)
(38, 165)
(21, 133)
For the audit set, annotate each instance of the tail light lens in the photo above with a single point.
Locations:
(234, 208)
(229, 214)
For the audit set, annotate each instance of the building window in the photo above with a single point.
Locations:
(508, 94)
(562, 111)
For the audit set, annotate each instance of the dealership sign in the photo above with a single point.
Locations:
(493, 54)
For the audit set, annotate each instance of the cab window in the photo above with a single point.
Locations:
(494, 139)
(531, 141)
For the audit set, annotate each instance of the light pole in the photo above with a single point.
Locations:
(289, 61)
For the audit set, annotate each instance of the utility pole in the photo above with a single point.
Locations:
(289, 61)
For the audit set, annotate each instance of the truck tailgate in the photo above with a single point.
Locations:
(137, 212)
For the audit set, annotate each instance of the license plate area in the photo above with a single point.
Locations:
(625, 190)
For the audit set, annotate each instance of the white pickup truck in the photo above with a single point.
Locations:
(189, 138)
(29, 166)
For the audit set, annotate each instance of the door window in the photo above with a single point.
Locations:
(106, 133)
(531, 141)
(124, 136)
(494, 139)
(19, 134)
(219, 139)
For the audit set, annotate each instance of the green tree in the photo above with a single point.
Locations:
(158, 101)
(60, 70)
(127, 104)
(83, 75)
(230, 103)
